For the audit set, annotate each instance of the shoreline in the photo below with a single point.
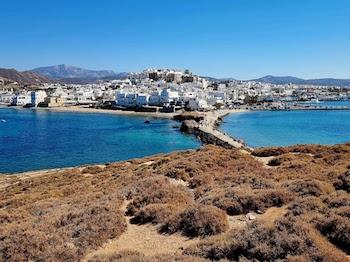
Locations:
(79, 109)
(209, 126)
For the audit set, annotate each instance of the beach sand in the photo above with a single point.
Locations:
(109, 111)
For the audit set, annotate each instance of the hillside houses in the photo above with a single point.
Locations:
(166, 88)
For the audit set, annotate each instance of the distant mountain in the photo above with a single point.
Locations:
(26, 77)
(281, 80)
(82, 81)
(67, 72)
(214, 79)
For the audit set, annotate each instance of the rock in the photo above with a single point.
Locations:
(250, 216)
(189, 126)
(189, 116)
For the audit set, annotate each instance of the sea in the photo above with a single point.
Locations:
(41, 139)
(283, 128)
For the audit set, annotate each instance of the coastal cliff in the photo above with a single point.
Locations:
(285, 204)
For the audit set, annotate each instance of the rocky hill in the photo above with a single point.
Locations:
(26, 77)
(274, 204)
(67, 71)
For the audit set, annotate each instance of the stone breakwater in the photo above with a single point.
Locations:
(204, 127)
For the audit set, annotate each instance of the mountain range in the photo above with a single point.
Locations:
(281, 80)
(76, 75)
(67, 73)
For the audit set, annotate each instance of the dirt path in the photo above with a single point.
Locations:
(268, 218)
(144, 239)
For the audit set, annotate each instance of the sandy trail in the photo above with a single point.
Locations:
(144, 239)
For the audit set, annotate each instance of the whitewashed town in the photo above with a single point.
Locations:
(163, 90)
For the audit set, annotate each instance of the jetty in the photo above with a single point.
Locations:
(204, 125)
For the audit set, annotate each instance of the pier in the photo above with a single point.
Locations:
(204, 126)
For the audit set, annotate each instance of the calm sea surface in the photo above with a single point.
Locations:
(282, 128)
(32, 140)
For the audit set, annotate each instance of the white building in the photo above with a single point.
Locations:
(197, 104)
(154, 99)
(167, 96)
(37, 97)
(22, 99)
(120, 98)
(6, 98)
(142, 99)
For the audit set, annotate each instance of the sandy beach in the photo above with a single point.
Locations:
(109, 111)
(80, 109)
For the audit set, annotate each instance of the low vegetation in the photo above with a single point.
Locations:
(235, 206)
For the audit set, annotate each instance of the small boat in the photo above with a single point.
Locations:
(3, 120)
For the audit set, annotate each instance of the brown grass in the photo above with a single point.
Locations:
(64, 215)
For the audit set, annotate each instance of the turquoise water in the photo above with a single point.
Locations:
(282, 128)
(33, 140)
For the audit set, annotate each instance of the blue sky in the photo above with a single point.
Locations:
(244, 39)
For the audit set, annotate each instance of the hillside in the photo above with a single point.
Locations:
(72, 72)
(281, 80)
(25, 77)
(285, 204)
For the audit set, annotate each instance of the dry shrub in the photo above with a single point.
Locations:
(156, 213)
(64, 215)
(158, 191)
(343, 182)
(201, 181)
(308, 187)
(343, 211)
(177, 174)
(93, 226)
(72, 234)
(338, 199)
(266, 152)
(198, 220)
(181, 169)
(236, 202)
(288, 239)
(336, 229)
(302, 206)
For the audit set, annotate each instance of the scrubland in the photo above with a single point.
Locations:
(234, 205)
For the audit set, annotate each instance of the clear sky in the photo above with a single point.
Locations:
(244, 39)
